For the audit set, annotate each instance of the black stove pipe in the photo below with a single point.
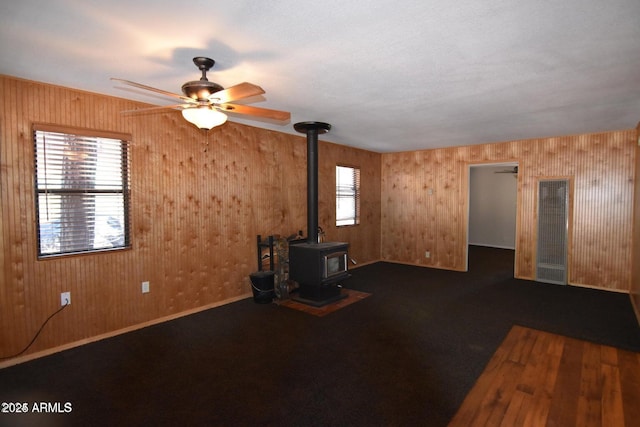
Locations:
(312, 129)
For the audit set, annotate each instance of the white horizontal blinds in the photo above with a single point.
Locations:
(347, 195)
(82, 192)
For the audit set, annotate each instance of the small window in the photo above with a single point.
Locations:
(347, 195)
(82, 192)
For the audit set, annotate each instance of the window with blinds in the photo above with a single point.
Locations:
(347, 195)
(82, 192)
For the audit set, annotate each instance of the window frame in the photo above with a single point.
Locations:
(124, 189)
(356, 188)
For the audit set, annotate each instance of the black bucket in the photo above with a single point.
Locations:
(262, 283)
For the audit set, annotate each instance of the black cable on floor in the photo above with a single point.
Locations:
(36, 336)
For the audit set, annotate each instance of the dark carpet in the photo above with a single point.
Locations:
(406, 355)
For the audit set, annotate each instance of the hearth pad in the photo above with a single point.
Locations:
(351, 297)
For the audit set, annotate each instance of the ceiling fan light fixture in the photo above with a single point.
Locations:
(204, 117)
(203, 100)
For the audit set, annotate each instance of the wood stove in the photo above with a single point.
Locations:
(317, 267)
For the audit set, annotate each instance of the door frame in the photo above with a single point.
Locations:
(505, 164)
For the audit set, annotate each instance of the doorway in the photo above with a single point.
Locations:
(492, 208)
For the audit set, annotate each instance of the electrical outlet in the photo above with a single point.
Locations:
(65, 298)
(427, 254)
(145, 287)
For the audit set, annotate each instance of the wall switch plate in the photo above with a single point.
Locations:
(65, 298)
(145, 287)
(427, 254)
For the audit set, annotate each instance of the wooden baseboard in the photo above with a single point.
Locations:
(49, 351)
(415, 264)
(358, 265)
(598, 288)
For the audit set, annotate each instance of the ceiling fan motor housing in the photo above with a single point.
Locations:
(202, 89)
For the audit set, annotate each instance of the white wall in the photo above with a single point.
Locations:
(492, 207)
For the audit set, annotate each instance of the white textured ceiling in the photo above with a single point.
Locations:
(387, 75)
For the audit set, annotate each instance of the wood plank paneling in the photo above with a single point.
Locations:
(198, 201)
(635, 278)
(425, 203)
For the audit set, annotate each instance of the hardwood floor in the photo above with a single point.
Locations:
(537, 379)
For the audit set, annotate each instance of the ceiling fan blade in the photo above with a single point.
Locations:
(153, 89)
(256, 111)
(513, 171)
(233, 93)
(154, 109)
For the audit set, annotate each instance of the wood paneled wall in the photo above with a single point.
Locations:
(198, 200)
(425, 203)
(635, 277)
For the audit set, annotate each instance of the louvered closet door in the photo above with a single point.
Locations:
(553, 221)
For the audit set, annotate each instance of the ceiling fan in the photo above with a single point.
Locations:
(204, 102)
